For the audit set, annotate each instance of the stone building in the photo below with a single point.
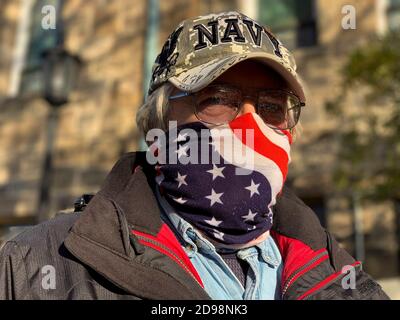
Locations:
(117, 42)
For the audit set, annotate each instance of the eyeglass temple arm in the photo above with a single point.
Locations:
(179, 95)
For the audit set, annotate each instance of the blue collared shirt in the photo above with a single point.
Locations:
(265, 262)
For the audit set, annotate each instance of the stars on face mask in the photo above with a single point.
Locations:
(219, 234)
(215, 197)
(180, 200)
(181, 179)
(182, 151)
(250, 216)
(214, 222)
(216, 172)
(253, 188)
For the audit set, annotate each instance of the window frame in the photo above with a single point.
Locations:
(298, 29)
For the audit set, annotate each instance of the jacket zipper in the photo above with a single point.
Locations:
(171, 253)
(290, 281)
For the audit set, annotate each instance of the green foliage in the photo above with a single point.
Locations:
(377, 66)
(369, 161)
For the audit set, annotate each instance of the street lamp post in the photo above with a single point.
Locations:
(60, 70)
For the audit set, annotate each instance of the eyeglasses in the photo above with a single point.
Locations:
(220, 104)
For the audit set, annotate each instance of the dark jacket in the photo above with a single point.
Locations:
(118, 247)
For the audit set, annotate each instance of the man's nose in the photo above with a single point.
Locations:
(248, 106)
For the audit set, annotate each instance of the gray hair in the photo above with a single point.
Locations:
(153, 113)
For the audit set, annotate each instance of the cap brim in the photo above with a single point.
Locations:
(199, 77)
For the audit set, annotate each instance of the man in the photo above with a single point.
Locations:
(189, 219)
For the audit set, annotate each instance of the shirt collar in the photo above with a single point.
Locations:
(270, 252)
(191, 237)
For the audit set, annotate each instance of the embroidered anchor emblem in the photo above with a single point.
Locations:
(166, 59)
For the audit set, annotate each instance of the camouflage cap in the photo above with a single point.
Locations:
(201, 49)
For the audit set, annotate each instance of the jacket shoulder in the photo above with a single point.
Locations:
(23, 256)
(295, 220)
(13, 282)
(55, 229)
(364, 288)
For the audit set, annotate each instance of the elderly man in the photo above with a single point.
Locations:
(188, 219)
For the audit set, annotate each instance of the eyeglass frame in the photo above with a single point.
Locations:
(300, 105)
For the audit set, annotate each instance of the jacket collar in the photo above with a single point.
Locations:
(101, 237)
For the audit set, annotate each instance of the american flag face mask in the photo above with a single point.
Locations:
(225, 180)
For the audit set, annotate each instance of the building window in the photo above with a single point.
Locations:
(40, 40)
(292, 21)
(393, 14)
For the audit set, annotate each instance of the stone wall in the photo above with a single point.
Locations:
(9, 15)
(95, 127)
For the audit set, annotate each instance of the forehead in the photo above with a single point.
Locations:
(252, 74)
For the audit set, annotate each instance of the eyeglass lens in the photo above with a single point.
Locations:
(221, 104)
